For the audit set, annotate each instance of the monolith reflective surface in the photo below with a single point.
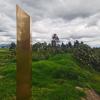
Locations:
(24, 56)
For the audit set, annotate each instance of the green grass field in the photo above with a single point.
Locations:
(52, 79)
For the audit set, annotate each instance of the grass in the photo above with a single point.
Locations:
(52, 79)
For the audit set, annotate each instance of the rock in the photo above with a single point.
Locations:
(79, 88)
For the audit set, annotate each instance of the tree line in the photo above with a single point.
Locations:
(82, 52)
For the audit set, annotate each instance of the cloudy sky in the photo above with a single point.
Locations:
(70, 19)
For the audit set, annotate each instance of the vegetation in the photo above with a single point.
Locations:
(57, 70)
(82, 52)
(53, 79)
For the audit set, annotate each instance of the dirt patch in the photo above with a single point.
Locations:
(91, 94)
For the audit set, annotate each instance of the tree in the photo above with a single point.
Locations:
(76, 43)
(12, 46)
(55, 40)
(69, 45)
(63, 46)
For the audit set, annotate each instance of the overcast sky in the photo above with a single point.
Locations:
(70, 19)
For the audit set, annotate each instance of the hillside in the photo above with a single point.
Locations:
(60, 77)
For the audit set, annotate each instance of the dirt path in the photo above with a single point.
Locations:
(91, 95)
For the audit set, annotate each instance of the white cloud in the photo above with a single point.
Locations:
(71, 20)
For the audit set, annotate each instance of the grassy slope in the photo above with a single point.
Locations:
(53, 79)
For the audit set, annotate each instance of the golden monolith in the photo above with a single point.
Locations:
(24, 56)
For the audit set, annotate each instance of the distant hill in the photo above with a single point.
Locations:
(4, 45)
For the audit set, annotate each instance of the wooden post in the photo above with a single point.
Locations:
(24, 56)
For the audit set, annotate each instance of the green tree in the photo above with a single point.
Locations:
(12, 46)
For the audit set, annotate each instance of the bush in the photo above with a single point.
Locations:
(86, 55)
(65, 74)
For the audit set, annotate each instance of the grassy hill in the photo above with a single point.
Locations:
(54, 79)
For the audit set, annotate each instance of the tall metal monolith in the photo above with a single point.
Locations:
(24, 56)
